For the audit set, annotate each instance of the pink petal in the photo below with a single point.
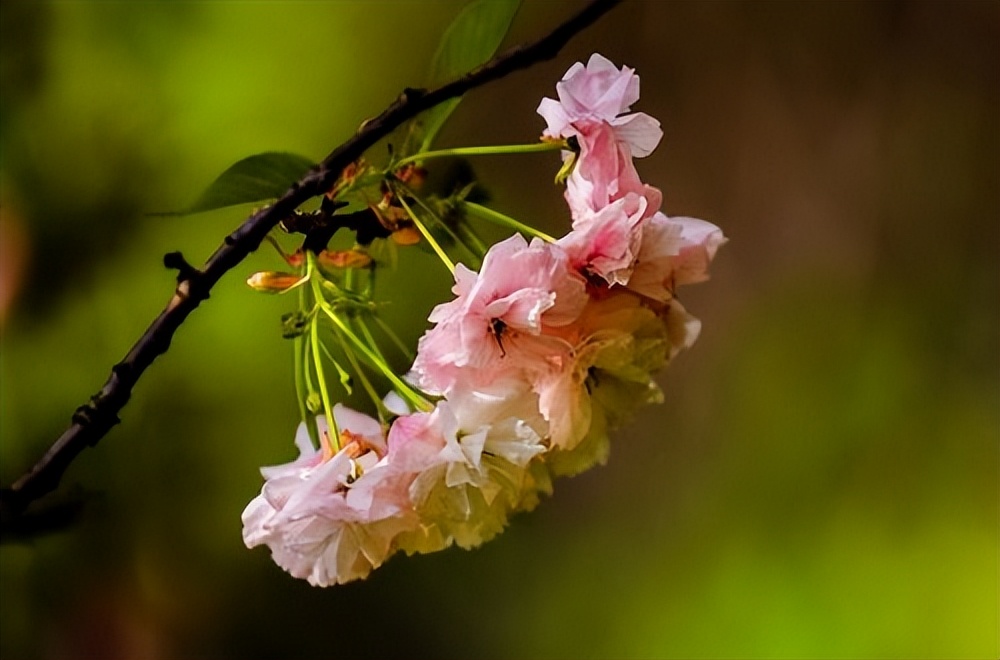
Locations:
(640, 131)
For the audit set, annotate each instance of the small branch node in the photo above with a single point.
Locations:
(411, 94)
(90, 414)
(122, 371)
(176, 261)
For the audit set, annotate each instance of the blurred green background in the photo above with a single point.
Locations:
(821, 482)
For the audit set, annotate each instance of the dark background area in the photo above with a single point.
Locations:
(821, 481)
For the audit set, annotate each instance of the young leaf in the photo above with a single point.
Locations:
(471, 39)
(253, 179)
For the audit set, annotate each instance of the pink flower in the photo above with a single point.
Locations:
(605, 328)
(606, 243)
(591, 104)
(618, 345)
(599, 94)
(605, 173)
(494, 326)
(674, 251)
(537, 358)
(331, 518)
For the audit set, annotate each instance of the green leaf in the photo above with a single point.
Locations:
(253, 179)
(471, 39)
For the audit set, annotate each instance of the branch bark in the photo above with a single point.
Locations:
(93, 420)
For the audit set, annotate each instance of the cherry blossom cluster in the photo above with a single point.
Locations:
(543, 351)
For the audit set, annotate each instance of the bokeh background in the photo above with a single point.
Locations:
(821, 482)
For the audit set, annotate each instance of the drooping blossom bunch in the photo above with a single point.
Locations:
(545, 348)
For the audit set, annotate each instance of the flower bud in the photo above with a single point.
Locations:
(344, 258)
(406, 236)
(273, 282)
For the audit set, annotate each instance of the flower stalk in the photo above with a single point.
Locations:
(488, 214)
(499, 150)
(438, 250)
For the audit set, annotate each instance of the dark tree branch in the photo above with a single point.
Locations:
(94, 419)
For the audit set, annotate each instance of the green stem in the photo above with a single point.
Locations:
(394, 338)
(383, 412)
(324, 394)
(306, 347)
(317, 357)
(470, 236)
(303, 381)
(299, 383)
(366, 333)
(549, 145)
(427, 235)
(506, 221)
(303, 389)
(345, 378)
(298, 348)
(440, 221)
(401, 386)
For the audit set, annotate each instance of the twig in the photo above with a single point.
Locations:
(94, 419)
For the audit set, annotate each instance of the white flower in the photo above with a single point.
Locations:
(470, 467)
